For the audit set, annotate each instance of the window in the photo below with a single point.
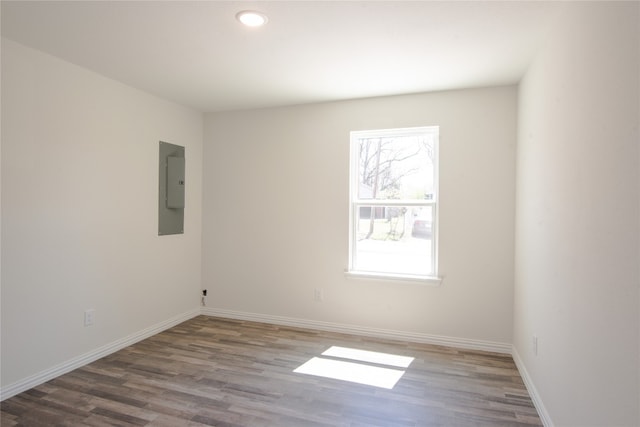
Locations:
(393, 202)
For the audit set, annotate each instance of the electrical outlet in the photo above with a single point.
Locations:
(534, 345)
(317, 295)
(89, 317)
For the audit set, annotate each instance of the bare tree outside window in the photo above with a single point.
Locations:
(385, 162)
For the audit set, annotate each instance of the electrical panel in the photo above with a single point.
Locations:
(171, 189)
(175, 182)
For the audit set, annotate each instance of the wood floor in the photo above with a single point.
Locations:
(218, 372)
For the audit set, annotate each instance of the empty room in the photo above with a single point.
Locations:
(320, 213)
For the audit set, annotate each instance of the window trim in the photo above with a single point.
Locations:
(355, 203)
(397, 277)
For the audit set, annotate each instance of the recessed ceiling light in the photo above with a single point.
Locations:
(251, 18)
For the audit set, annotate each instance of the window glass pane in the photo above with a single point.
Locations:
(394, 239)
(396, 167)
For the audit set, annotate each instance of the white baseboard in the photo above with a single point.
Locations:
(469, 344)
(77, 362)
(531, 388)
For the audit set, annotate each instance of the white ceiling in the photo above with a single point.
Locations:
(197, 54)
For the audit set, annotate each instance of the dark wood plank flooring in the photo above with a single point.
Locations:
(218, 372)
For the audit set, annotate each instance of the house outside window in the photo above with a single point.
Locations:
(393, 203)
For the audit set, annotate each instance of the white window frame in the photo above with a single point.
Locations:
(355, 203)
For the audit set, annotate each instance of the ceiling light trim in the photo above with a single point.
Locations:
(252, 18)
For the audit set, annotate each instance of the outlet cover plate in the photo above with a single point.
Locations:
(89, 317)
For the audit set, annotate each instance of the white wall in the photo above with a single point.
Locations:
(276, 214)
(79, 212)
(0, 207)
(577, 232)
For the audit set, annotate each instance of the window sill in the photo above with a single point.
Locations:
(425, 280)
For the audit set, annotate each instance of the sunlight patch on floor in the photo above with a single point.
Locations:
(357, 366)
(369, 356)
